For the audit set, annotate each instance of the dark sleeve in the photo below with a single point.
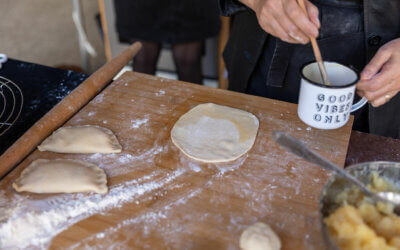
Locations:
(230, 7)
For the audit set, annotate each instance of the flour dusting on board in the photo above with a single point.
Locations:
(37, 225)
(98, 99)
(168, 205)
(160, 92)
(122, 163)
(147, 221)
(139, 122)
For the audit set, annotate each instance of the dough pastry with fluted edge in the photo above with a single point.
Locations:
(85, 139)
(61, 176)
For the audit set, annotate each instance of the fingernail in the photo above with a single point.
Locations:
(318, 22)
(315, 32)
(299, 39)
(286, 39)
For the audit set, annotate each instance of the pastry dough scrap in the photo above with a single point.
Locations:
(215, 133)
(259, 236)
(61, 176)
(81, 140)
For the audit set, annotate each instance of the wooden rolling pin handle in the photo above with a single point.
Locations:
(65, 109)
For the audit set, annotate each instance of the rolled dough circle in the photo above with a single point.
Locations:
(259, 236)
(215, 133)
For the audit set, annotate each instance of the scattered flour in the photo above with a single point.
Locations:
(148, 221)
(95, 156)
(28, 223)
(27, 227)
(139, 122)
(126, 158)
(98, 99)
(160, 92)
(91, 113)
(123, 163)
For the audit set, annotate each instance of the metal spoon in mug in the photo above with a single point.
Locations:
(299, 149)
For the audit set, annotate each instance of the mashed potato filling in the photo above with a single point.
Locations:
(360, 224)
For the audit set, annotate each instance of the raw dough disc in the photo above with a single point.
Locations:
(259, 236)
(81, 140)
(61, 176)
(215, 133)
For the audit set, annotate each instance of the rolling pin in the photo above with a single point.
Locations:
(65, 109)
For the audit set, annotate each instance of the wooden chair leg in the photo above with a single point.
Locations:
(106, 38)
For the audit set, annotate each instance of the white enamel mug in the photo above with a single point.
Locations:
(327, 106)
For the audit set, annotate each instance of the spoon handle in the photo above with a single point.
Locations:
(299, 149)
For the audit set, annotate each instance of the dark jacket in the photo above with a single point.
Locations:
(245, 45)
(166, 21)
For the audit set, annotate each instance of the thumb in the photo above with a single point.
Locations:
(375, 64)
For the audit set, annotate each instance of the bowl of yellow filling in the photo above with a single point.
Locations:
(351, 221)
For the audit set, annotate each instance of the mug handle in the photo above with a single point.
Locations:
(359, 104)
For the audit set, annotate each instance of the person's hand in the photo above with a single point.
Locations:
(285, 19)
(380, 79)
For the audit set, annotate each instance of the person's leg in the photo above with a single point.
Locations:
(146, 60)
(187, 57)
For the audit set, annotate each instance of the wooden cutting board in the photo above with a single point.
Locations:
(161, 199)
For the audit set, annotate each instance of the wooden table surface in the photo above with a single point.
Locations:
(161, 199)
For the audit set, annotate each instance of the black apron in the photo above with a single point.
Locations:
(341, 39)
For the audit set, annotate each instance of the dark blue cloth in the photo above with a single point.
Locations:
(42, 88)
